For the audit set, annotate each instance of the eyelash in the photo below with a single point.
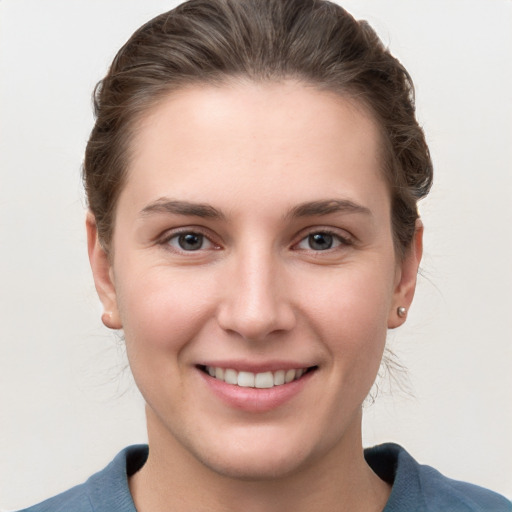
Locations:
(337, 239)
(165, 241)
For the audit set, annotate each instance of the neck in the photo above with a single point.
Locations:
(173, 479)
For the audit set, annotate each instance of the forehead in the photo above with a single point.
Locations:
(282, 138)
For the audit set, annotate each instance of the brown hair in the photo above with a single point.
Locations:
(210, 41)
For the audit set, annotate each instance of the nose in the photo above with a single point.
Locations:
(256, 301)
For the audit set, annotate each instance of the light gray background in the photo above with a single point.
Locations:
(66, 407)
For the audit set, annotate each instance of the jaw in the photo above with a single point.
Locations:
(249, 445)
(284, 476)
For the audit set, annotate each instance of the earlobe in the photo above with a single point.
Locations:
(102, 273)
(406, 285)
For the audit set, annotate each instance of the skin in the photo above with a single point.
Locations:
(256, 292)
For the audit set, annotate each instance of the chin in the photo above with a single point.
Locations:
(257, 467)
(256, 457)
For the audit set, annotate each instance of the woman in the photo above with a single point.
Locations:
(252, 180)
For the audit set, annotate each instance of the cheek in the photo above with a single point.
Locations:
(161, 310)
(349, 310)
(356, 298)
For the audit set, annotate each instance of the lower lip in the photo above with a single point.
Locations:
(255, 399)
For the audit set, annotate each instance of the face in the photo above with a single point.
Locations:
(254, 274)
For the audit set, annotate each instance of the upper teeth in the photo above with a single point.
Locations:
(255, 380)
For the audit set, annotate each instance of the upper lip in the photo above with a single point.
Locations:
(257, 367)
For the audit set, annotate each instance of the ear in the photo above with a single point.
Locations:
(103, 275)
(407, 272)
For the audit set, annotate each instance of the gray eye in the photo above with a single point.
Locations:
(320, 241)
(190, 241)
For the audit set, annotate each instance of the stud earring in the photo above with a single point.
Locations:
(401, 311)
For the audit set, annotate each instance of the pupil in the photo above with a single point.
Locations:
(320, 241)
(190, 241)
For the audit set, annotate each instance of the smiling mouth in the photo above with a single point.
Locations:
(263, 380)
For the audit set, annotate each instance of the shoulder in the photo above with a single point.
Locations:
(105, 491)
(73, 499)
(416, 487)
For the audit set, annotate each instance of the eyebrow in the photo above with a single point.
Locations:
(175, 207)
(325, 207)
(203, 210)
